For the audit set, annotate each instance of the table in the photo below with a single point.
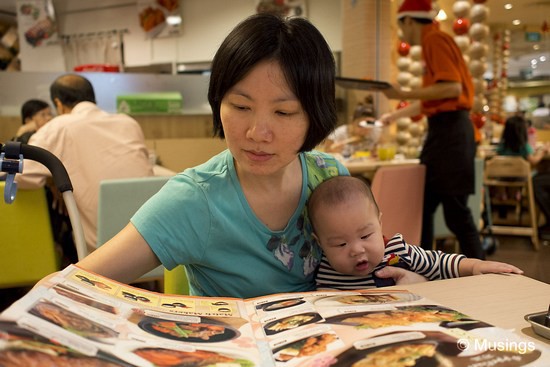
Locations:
(498, 299)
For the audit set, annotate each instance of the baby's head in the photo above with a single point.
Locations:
(346, 224)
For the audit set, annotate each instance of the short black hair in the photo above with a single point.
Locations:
(31, 108)
(417, 20)
(336, 190)
(303, 55)
(72, 89)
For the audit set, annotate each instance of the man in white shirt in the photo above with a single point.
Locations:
(92, 144)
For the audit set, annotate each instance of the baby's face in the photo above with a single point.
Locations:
(350, 235)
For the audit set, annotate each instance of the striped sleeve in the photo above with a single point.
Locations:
(431, 264)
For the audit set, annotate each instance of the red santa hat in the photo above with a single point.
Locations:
(416, 9)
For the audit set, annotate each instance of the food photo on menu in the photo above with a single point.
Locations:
(78, 318)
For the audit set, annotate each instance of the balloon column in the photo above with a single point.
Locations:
(499, 84)
(471, 34)
(409, 129)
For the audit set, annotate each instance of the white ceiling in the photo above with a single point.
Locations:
(531, 13)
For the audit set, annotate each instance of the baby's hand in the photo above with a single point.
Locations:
(484, 267)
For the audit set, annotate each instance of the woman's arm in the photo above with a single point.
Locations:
(124, 258)
(537, 156)
(469, 266)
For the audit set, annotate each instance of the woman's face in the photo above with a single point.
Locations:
(41, 117)
(264, 123)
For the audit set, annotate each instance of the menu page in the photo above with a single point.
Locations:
(79, 318)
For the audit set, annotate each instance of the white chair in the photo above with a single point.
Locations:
(399, 193)
(119, 199)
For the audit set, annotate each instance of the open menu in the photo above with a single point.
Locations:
(78, 318)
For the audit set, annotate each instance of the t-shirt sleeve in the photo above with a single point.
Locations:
(442, 55)
(176, 220)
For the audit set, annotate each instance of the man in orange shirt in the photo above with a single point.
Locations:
(449, 150)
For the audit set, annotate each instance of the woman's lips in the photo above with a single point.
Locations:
(258, 156)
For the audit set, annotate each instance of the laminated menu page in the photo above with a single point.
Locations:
(78, 318)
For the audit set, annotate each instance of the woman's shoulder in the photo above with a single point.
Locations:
(317, 162)
(216, 165)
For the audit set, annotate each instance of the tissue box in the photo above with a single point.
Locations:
(164, 102)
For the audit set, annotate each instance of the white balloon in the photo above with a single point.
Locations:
(403, 123)
(403, 78)
(403, 63)
(477, 50)
(416, 68)
(461, 9)
(479, 13)
(416, 52)
(463, 42)
(478, 31)
(415, 82)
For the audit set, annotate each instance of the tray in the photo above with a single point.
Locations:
(537, 323)
(362, 84)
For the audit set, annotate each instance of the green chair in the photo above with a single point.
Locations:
(27, 247)
(119, 199)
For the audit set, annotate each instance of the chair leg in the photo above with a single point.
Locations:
(533, 215)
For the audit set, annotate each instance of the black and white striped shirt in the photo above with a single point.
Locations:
(431, 264)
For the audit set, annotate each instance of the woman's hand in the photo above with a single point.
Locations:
(400, 276)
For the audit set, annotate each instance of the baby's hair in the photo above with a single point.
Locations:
(336, 190)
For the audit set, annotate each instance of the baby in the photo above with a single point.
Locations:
(347, 225)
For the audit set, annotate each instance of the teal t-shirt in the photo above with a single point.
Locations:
(201, 219)
(524, 151)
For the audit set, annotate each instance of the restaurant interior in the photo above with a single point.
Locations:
(149, 69)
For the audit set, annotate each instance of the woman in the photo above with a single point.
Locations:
(35, 113)
(514, 142)
(238, 222)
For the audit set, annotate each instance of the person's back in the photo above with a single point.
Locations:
(93, 145)
(514, 138)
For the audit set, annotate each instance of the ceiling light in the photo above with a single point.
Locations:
(441, 15)
(508, 6)
(516, 22)
(173, 19)
(542, 58)
(536, 47)
(534, 62)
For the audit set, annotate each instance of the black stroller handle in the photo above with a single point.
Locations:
(13, 150)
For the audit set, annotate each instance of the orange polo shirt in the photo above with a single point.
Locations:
(443, 62)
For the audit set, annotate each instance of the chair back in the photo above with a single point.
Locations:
(399, 192)
(27, 247)
(119, 199)
(499, 167)
(512, 172)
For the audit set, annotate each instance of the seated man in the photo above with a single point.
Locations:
(92, 144)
